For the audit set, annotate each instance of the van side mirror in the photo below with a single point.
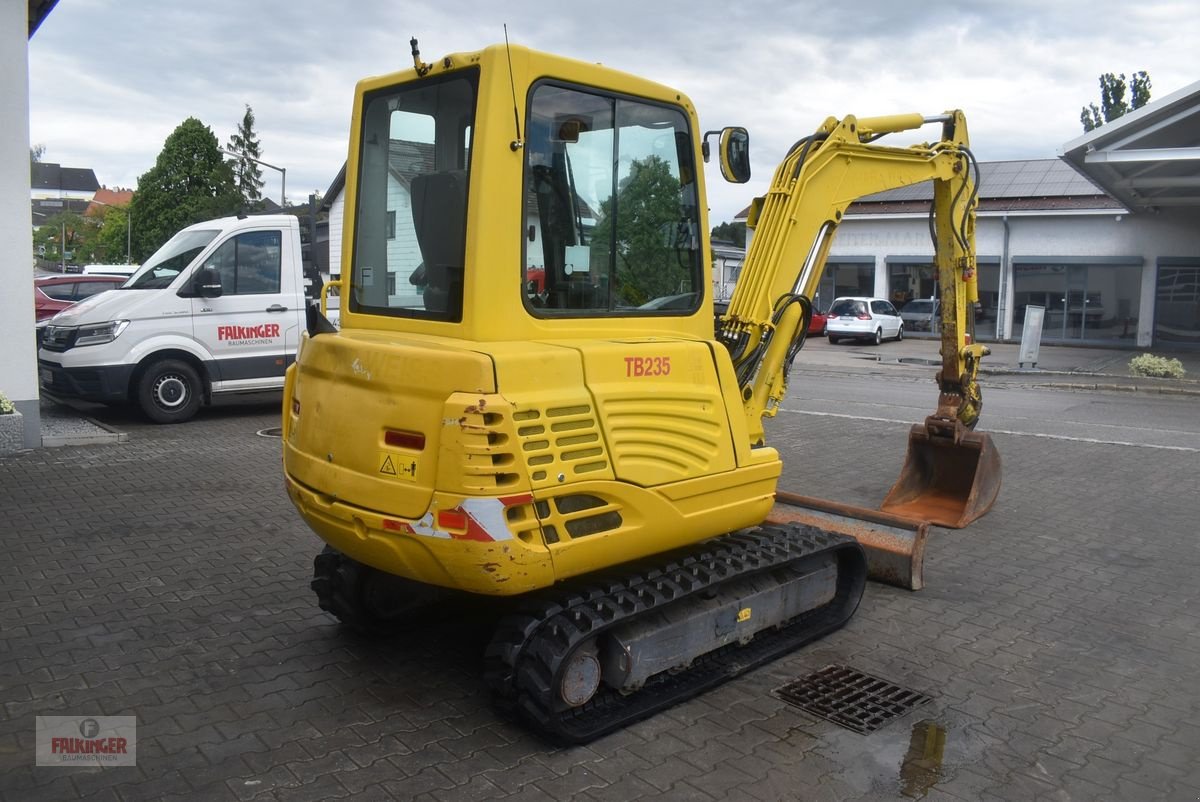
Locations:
(207, 283)
(735, 155)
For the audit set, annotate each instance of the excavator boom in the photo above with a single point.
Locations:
(952, 475)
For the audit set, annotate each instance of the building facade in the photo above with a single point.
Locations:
(1045, 236)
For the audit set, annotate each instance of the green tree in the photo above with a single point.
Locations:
(188, 183)
(246, 172)
(36, 152)
(112, 234)
(48, 238)
(650, 248)
(1112, 99)
(731, 232)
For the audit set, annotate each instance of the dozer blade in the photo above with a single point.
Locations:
(895, 546)
(951, 475)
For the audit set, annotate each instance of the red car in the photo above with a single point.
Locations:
(52, 294)
(817, 324)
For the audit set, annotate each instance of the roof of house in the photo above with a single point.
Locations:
(1018, 185)
(50, 176)
(108, 197)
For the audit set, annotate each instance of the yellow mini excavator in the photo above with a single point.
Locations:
(526, 396)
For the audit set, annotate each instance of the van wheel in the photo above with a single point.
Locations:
(169, 391)
(833, 340)
(900, 333)
(878, 336)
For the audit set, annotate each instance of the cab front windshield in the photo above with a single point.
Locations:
(170, 260)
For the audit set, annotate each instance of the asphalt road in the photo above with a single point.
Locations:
(1140, 420)
(166, 578)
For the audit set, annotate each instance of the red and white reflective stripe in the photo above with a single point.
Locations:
(485, 520)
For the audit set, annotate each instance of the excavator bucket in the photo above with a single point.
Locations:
(951, 475)
(895, 546)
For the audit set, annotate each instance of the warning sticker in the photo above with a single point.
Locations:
(398, 466)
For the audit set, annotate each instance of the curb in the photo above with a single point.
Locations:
(1120, 388)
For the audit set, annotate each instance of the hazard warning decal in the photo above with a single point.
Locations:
(397, 466)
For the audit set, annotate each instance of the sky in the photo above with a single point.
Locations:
(111, 79)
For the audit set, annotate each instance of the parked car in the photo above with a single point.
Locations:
(52, 294)
(872, 319)
(921, 314)
(817, 324)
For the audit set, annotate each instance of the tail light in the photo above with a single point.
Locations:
(403, 439)
(862, 316)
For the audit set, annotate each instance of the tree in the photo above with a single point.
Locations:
(246, 173)
(36, 152)
(48, 238)
(650, 246)
(731, 232)
(188, 183)
(1112, 99)
(112, 234)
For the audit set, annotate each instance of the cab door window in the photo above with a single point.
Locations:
(249, 263)
(611, 220)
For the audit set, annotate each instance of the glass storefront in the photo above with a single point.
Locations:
(987, 324)
(1177, 303)
(912, 279)
(1084, 301)
(844, 278)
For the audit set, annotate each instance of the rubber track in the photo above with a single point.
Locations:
(530, 648)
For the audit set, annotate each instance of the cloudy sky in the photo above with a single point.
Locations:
(110, 79)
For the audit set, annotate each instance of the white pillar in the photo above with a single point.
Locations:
(18, 359)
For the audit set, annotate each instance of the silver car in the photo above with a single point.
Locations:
(921, 314)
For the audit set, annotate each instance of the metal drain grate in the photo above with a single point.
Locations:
(848, 697)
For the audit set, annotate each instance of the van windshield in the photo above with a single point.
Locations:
(170, 260)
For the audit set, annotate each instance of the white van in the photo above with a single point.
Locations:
(219, 308)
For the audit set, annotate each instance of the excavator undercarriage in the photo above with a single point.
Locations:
(590, 656)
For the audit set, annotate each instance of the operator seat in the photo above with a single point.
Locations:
(439, 204)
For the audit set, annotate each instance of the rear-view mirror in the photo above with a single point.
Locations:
(735, 155)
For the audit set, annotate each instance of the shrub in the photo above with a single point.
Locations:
(1159, 367)
(6, 406)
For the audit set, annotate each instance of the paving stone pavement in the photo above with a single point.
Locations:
(167, 578)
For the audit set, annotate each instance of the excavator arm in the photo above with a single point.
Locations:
(794, 226)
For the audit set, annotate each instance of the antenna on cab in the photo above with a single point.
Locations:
(516, 144)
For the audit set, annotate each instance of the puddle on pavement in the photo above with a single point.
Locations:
(921, 767)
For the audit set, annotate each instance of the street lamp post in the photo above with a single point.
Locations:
(282, 171)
